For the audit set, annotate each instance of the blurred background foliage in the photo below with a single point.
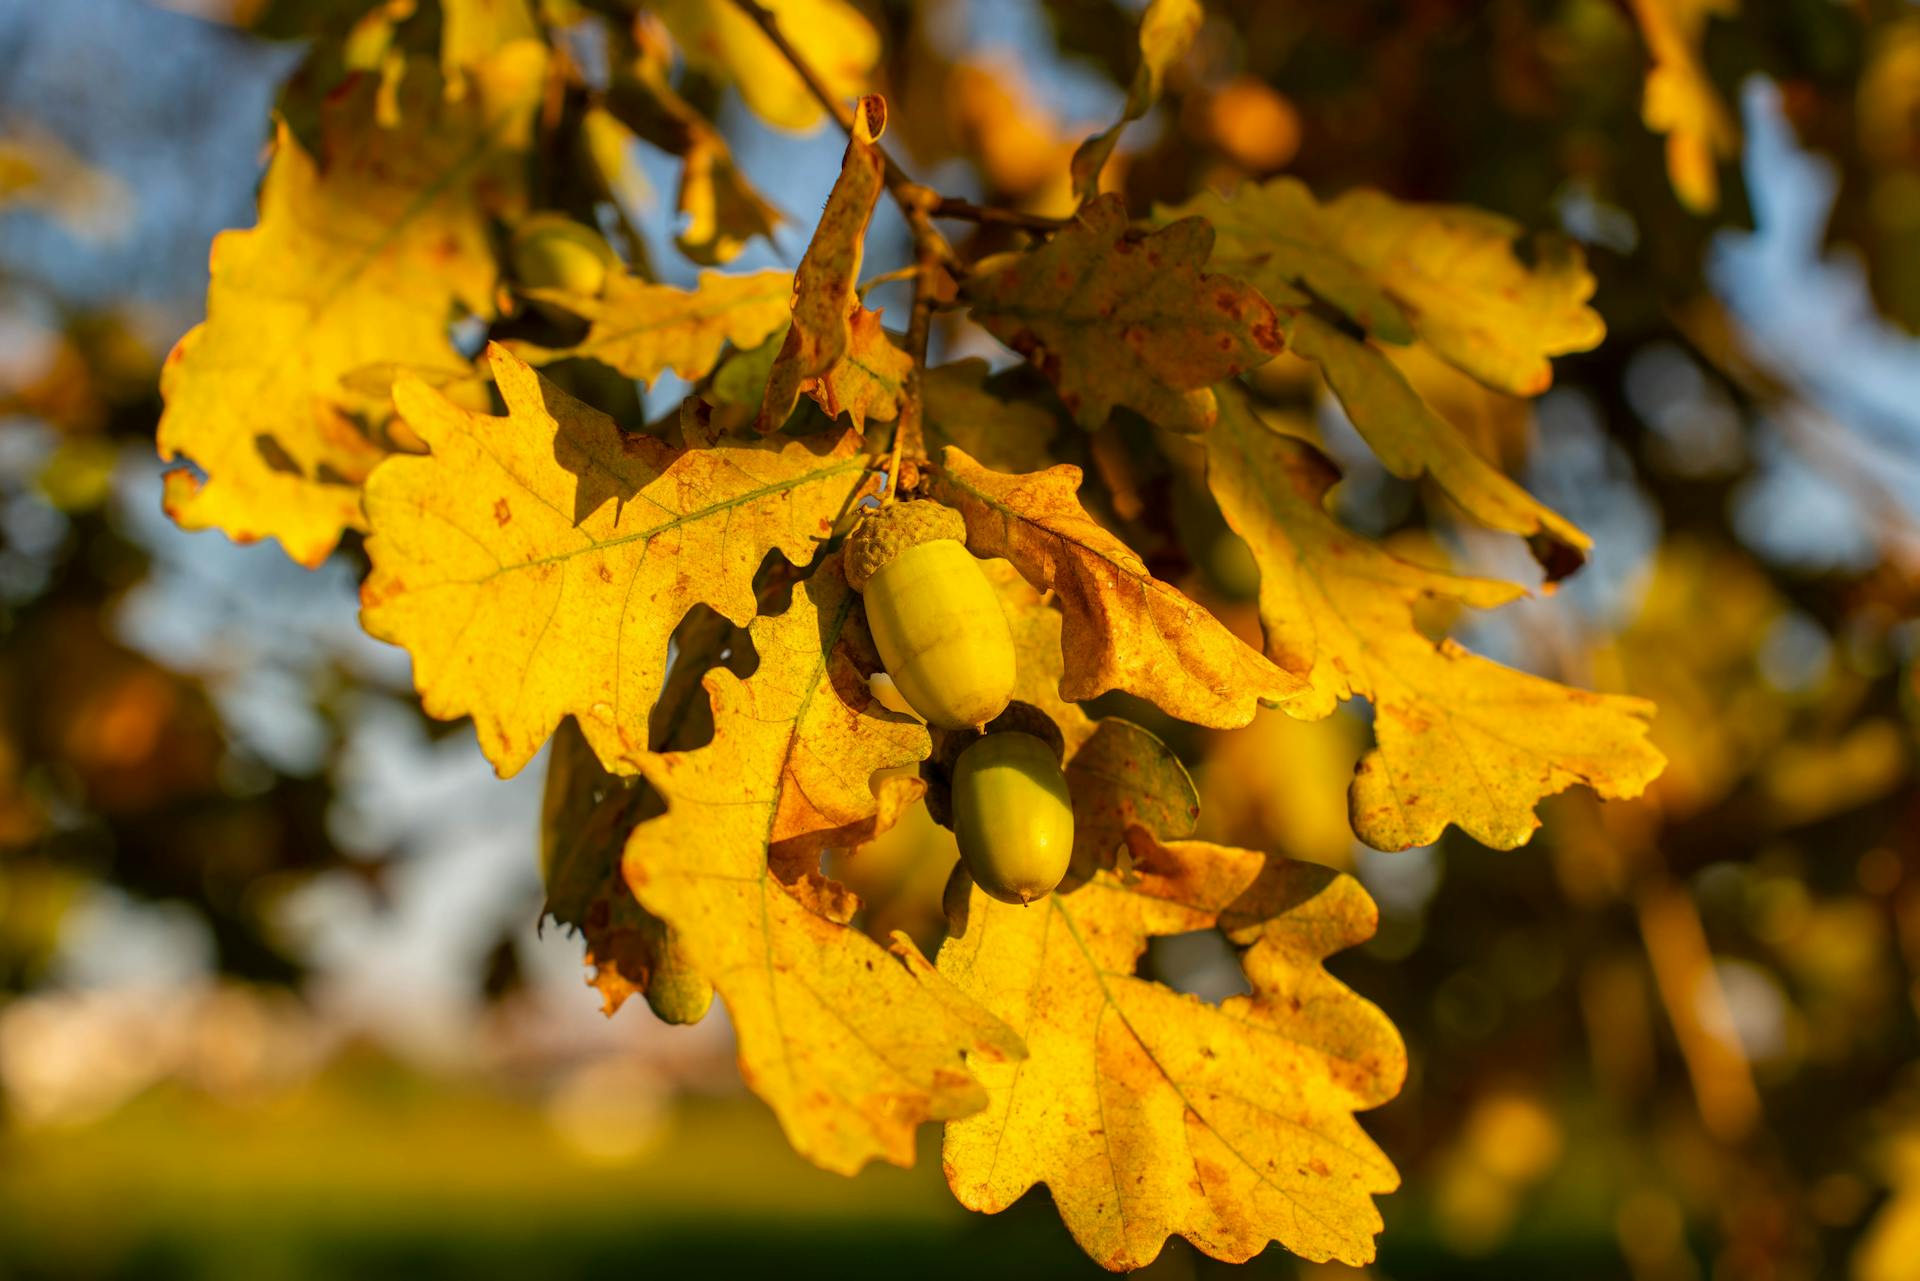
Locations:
(272, 1001)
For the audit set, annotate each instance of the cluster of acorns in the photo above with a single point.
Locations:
(995, 777)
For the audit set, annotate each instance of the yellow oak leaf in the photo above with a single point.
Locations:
(360, 256)
(1167, 29)
(471, 30)
(1458, 739)
(1006, 434)
(831, 36)
(1147, 1112)
(534, 565)
(643, 329)
(1114, 317)
(1681, 101)
(1444, 273)
(1124, 628)
(721, 209)
(852, 1046)
(824, 305)
(1412, 440)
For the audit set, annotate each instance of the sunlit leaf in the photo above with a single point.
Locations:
(1125, 629)
(644, 329)
(852, 1046)
(359, 258)
(1447, 274)
(1167, 28)
(1458, 739)
(1149, 1113)
(534, 565)
(720, 40)
(824, 305)
(1681, 101)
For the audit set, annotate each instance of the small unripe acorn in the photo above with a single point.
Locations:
(676, 992)
(552, 251)
(934, 616)
(1012, 816)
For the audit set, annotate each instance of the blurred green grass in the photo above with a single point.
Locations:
(374, 1169)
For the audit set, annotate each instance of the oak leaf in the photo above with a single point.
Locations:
(1147, 1112)
(1114, 317)
(1681, 101)
(643, 329)
(870, 377)
(1412, 440)
(824, 306)
(360, 255)
(534, 565)
(1444, 273)
(1004, 433)
(1459, 739)
(851, 1045)
(721, 210)
(1125, 629)
(1167, 29)
(831, 36)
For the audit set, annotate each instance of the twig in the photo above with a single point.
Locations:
(989, 215)
(909, 436)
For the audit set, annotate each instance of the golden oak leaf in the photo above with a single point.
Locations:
(471, 30)
(1458, 739)
(1167, 29)
(851, 1046)
(831, 36)
(1112, 317)
(722, 210)
(534, 565)
(824, 305)
(1147, 1112)
(1446, 273)
(1004, 433)
(1412, 440)
(643, 329)
(359, 258)
(1681, 101)
(587, 815)
(1125, 629)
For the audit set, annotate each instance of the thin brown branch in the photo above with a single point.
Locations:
(990, 215)
(909, 438)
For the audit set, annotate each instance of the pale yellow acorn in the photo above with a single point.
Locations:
(552, 251)
(934, 617)
(676, 992)
(1012, 816)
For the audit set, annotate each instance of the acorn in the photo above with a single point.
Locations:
(552, 251)
(1012, 815)
(935, 618)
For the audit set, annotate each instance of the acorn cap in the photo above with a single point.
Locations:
(885, 533)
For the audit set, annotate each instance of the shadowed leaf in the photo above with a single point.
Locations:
(1112, 317)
